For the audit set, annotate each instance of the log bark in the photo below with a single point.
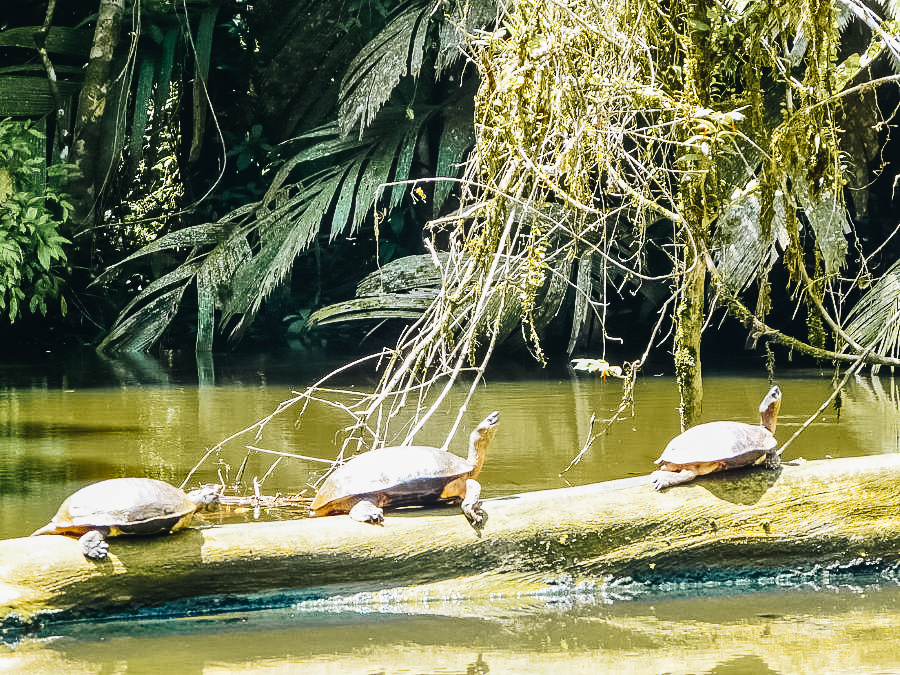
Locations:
(741, 522)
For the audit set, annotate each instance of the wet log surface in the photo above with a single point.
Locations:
(742, 521)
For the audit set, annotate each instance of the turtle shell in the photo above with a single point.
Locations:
(717, 442)
(125, 506)
(393, 476)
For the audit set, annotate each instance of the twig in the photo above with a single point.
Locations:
(291, 455)
(860, 362)
(627, 393)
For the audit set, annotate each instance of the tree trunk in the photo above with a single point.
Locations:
(689, 320)
(90, 147)
(698, 202)
(739, 522)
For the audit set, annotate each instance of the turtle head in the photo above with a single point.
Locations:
(768, 409)
(206, 498)
(480, 439)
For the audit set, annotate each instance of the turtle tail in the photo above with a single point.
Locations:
(49, 528)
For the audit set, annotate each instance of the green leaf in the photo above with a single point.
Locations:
(138, 331)
(43, 254)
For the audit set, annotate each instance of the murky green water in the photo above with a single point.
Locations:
(68, 422)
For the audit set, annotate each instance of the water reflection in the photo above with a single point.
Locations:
(791, 632)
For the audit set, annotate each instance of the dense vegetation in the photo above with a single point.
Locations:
(627, 167)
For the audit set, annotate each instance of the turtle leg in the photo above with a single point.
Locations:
(367, 512)
(471, 503)
(94, 544)
(772, 461)
(664, 479)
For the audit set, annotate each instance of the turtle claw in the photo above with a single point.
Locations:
(476, 516)
(471, 504)
(94, 545)
(664, 479)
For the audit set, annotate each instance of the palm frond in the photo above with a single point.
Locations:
(348, 189)
(402, 289)
(235, 275)
(461, 20)
(404, 274)
(143, 94)
(396, 51)
(136, 330)
(583, 287)
(870, 316)
(283, 234)
(205, 234)
(740, 249)
(828, 218)
(214, 284)
(457, 136)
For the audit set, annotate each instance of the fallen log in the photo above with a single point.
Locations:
(736, 522)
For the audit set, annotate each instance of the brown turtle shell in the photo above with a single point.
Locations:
(732, 443)
(392, 477)
(125, 506)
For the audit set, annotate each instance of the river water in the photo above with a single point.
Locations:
(68, 421)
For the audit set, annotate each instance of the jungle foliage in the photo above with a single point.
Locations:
(711, 133)
(320, 183)
(697, 153)
(723, 122)
(34, 213)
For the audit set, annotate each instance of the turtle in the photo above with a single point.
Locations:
(716, 446)
(125, 506)
(407, 475)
